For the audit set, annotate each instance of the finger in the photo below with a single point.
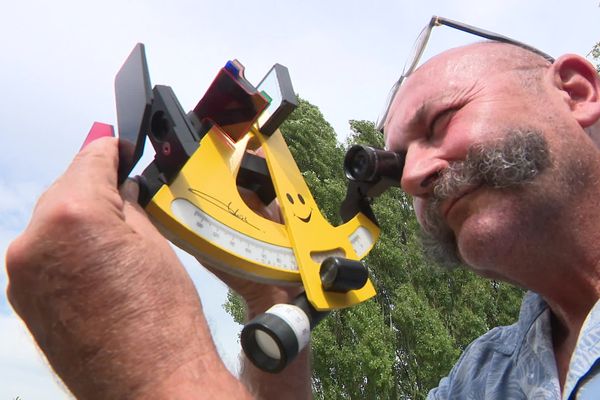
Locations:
(98, 130)
(86, 189)
(275, 211)
(252, 200)
(130, 190)
(96, 164)
(136, 217)
(260, 152)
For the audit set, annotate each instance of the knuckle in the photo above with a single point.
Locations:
(67, 213)
(52, 224)
(19, 265)
(15, 257)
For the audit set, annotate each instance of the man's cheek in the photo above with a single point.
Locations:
(419, 206)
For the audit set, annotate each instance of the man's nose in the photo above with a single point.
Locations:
(421, 169)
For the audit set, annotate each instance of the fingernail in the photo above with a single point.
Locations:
(98, 130)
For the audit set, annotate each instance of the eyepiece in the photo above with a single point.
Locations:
(370, 164)
(273, 339)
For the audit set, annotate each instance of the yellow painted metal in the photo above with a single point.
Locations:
(255, 247)
(308, 230)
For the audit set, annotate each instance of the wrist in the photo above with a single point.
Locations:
(197, 379)
(293, 381)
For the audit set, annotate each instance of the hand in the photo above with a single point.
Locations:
(104, 295)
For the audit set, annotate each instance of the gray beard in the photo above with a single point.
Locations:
(514, 160)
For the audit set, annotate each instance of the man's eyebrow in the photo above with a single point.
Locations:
(418, 119)
(454, 98)
(414, 124)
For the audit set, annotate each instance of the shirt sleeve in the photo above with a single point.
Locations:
(440, 392)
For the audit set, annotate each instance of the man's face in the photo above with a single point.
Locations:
(477, 142)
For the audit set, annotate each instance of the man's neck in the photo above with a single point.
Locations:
(564, 339)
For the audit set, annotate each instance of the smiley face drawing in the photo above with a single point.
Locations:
(301, 200)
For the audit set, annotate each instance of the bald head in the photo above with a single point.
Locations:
(459, 70)
(527, 65)
(490, 56)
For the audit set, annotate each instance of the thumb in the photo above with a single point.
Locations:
(96, 164)
(130, 190)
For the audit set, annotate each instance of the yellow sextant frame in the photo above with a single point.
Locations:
(202, 212)
(192, 190)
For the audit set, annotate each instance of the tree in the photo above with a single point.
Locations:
(401, 343)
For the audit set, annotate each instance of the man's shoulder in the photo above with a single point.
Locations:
(507, 339)
(489, 359)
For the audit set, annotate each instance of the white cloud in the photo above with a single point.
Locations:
(16, 202)
(23, 369)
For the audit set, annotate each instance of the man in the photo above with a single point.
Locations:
(529, 217)
(117, 316)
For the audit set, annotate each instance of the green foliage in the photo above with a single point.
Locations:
(353, 354)
(401, 343)
(236, 307)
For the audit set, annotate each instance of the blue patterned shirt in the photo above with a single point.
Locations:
(517, 361)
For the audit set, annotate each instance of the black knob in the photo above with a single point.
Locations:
(340, 274)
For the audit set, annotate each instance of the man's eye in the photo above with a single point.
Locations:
(439, 123)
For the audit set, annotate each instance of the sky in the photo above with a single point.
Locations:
(58, 61)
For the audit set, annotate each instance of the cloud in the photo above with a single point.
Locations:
(16, 202)
(24, 370)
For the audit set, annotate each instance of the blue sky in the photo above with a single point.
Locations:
(58, 60)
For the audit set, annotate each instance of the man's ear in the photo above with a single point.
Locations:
(580, 82)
